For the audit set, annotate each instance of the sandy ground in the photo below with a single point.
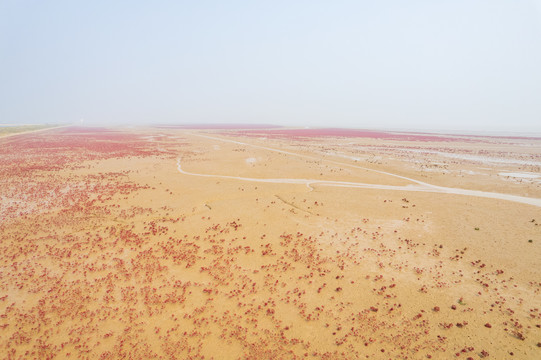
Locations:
(174, 244)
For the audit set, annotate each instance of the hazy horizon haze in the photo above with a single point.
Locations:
(461, 65)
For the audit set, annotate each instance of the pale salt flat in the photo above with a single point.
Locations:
(476, 158)
(520, 175)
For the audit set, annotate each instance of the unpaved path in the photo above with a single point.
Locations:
(420, 186)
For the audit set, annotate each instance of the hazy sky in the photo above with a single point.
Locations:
(401, 64)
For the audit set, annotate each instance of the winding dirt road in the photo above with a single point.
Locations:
(417, 186)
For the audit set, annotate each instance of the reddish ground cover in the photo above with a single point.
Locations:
(66, 145)
(29, 164)
(219, 126)
(116, 259)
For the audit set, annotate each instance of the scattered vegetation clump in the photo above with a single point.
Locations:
(102, 260)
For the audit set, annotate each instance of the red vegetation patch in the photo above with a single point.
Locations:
(218, 126)
(54, 149)
(29, 163)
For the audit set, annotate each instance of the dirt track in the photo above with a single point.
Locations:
(422, 186)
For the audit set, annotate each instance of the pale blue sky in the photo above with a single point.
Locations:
(456, 64)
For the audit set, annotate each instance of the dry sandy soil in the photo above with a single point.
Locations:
(179, 243)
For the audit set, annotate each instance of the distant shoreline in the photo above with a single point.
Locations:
(255, 127)
(23, 131)
(413, 131)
